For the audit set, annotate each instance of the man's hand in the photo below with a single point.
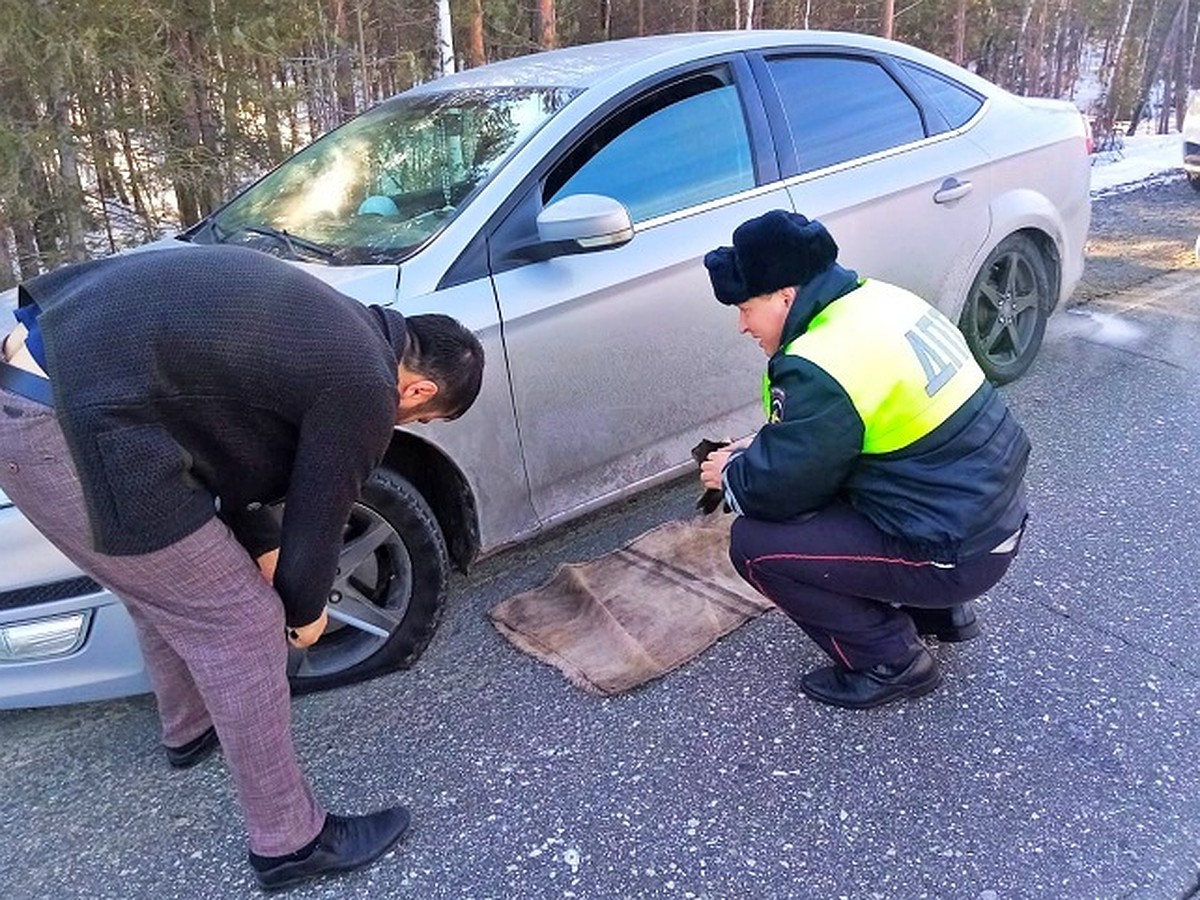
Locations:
(307, 635)
(713, 466)
(267, 563)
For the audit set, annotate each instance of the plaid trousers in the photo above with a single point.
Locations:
(210, 627)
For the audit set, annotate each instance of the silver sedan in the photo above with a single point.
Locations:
(561, 204)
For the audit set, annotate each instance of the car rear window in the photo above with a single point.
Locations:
(840, 108)
(956, 103)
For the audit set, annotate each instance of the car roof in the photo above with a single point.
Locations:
(586, 65)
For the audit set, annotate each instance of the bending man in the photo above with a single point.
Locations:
(151, 405)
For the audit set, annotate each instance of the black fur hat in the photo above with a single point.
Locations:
(778, 249)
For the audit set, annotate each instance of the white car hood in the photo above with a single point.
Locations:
(368, 284)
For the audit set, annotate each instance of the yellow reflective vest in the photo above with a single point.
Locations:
(903, 364)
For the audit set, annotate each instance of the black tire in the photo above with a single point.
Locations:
(1194, 180)
(394, 579)
(1004, 319)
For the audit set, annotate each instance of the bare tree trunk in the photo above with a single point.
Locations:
(1020, 48)
(22, 209)
(365, 70)
(70, 188)
(310, 81)
(1191, 72)
(217, 138)
(91, 106)
(1168, 47)
(211, 184)
(132, 167)
(1110, 73)
(749, 19)
(1076, 40)
(1138, 69)
(194, 137)
(546, 37)
(197, 131)
(271, 126)
(887, 21)
(476, 56)
(135, 185)
(1062, 22)
(641, 8)
(1179, 73)
(343, 76)
(8, 274)
(28, 257)
(445, 39)
(694, 15)
(1034, 51)
(960, 31)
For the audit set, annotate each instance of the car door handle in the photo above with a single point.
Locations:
(952, 189)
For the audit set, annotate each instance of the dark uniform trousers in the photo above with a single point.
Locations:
(210, 627)
(837, 575)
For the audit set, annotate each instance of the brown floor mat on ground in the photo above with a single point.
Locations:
(618, 621)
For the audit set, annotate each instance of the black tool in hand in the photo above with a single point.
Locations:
(711, 498)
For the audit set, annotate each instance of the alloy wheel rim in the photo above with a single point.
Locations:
(373, 585)
(1006, 310)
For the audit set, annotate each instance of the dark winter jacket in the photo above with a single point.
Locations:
(196, 379)
(956, 490)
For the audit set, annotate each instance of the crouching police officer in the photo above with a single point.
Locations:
(886, 490)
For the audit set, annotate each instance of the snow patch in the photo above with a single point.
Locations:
(1142, 157)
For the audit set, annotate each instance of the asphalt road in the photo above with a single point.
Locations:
(1058, 761)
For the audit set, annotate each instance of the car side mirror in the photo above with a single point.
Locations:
(581, 223)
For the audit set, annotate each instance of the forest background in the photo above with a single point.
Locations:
(123, 119)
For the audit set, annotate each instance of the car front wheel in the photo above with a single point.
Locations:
(388, 593)
(1005, 315)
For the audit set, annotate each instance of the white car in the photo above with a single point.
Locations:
(1191, 139)
(561, 205)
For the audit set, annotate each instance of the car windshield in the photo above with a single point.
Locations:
(380, 186)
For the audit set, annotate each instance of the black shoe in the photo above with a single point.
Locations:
(957, 623)
(875, 686)
(345, 843)
(197, 750)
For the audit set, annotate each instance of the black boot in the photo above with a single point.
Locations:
(195, 751)
(345, 843)
(950, 625)
(875, 686)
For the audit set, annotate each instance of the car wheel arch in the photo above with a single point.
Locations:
(1053, 258)
(1032, 213)
(1036, 255)
(445, 488)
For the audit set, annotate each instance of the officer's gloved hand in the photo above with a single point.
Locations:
(711, 498)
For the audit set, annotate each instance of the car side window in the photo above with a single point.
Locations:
(954, 101)
(685, 143)
(840, 108)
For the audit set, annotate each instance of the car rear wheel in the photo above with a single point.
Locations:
(1005, 316)
(388, 592)
(1194, 180)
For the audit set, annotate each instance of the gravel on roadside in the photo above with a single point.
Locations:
(1137, 235)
